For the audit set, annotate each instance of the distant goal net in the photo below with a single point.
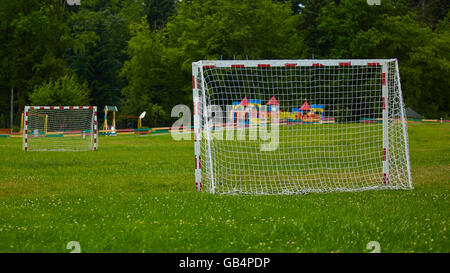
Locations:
(60, 128)
(299, 126)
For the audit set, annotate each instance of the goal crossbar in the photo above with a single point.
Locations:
(290, 63)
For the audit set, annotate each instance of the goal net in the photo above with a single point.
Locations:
(299, 126)
(60, 128)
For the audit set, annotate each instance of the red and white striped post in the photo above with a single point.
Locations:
(95, 127)
(385, 118)
(197, 129)
(25, 129)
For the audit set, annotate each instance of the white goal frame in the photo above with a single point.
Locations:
(394, 163)
(89, 132)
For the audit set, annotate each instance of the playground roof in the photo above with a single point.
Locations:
(255, 101)
(273, 101)
(410, 113)
(317, 106)
(111, 108)
(244, 101)
(305, 106)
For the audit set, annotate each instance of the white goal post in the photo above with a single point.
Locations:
(299, 126)
(60, 128)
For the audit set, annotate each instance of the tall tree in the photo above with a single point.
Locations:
(145, 72)
(356, 30)
(63, 91)
(314, 38)
(32, 41)
(430, 11)
(159, 71)
(96, 55)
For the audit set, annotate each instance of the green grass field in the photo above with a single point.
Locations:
(137, 194)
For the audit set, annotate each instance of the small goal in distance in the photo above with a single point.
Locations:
(340, 124)
(60, 128)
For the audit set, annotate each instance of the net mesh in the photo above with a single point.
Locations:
(324, 125)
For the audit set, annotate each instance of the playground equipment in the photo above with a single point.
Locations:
(313, 113)
(249, 112)
(45, 122)
(111, 129)
(141, 116)
(318, 110)
(139, 120)
(246, 112)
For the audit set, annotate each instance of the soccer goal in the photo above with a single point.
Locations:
(299, 126)
(60, 128)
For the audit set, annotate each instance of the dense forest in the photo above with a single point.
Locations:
(137, 54)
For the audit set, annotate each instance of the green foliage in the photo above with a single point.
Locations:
(145, 73)
(96, 55)
(354, 29)
(64, 91)
(159, 69)
(34, 38)
(425, 69)
(234, 30)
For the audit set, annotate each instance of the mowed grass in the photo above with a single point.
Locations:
(136, 194)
